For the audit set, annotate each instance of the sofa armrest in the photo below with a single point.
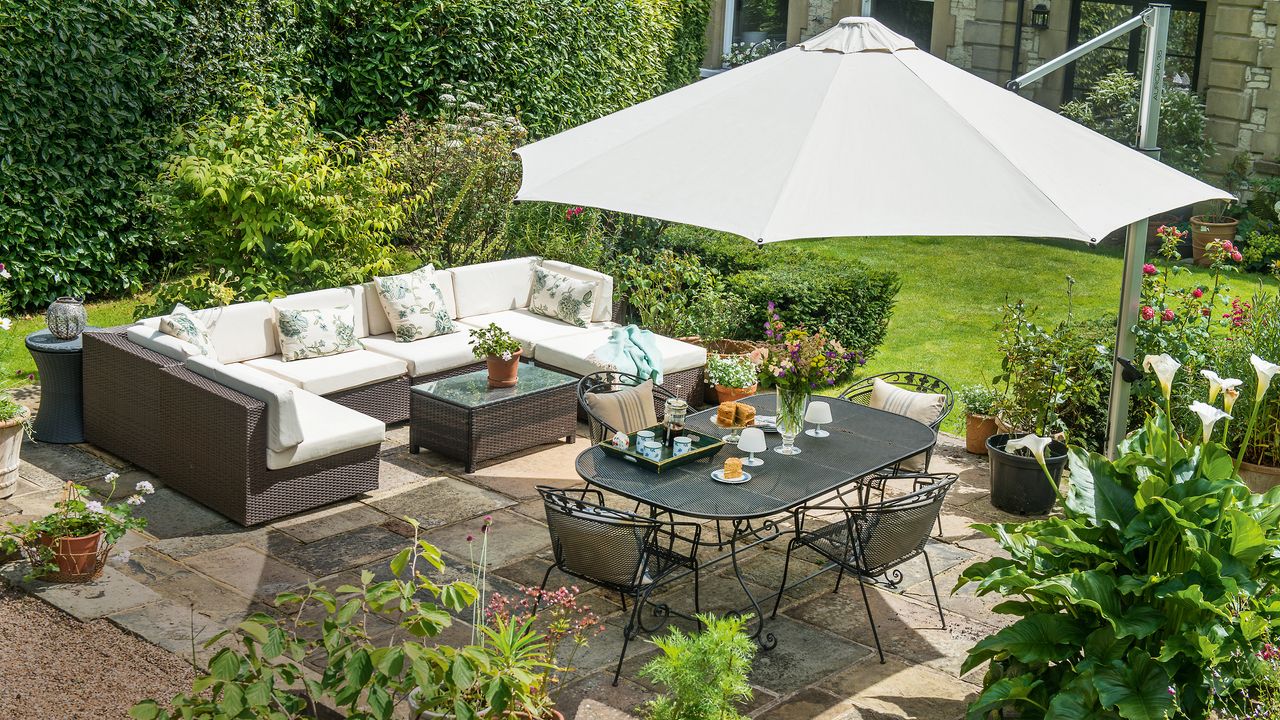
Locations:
(603, 308)
(284, 427)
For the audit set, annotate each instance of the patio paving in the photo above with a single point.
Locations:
(194, 571)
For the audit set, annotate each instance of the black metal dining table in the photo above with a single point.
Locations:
(863, 441)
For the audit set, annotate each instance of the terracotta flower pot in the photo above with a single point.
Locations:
(75, 557)
(503, 373)
(1259, 478)
(977, 428)
(729, 394)
(10, 445)
(1204, 232)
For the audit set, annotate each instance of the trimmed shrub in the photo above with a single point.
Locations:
(726, 252)
(690, 41)
(555, 63)
(852, 301)
(79, 127)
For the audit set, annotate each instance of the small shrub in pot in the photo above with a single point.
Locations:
(980, 407)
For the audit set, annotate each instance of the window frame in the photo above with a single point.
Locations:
(1135, 38)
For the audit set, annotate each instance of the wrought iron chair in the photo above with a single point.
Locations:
(629, 554)
(872, 540)
(607, 381)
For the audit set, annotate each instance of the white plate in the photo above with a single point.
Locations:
(718, 476)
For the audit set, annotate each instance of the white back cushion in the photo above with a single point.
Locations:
(239, 332)
(327, 299)
(493, 286)
(603, 311)
(284, 426)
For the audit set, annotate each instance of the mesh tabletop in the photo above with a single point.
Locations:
(472, 390)
(862, 441)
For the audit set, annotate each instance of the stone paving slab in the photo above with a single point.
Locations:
(441, 501)
(172, 625)
(250, 572)
(111, 593)
(49, 466)
(326, 522)
(512, 536)
(345, 551)
(899, 690)
(170, 514)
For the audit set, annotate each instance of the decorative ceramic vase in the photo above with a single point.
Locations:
(730, 394)
(66, 318)
(503, 373)
(77, 559)
(10, 446)
(977, 428)
(791, 407)
(1204, 231)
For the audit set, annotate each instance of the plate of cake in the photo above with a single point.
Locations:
(732, 472)
(742, 415)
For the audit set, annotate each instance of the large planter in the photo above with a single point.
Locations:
(77, 559)
(1259, 478)
(10, 446)
(730, 394)
(1018, 484)
(977, 428)
(503, 373)
(1205, 231)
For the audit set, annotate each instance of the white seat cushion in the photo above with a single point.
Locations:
(284, 426)
(570, 352)
(239, 332)
(428, 355)
(327, 429)
(150, 337)
(529, 328)
(330, 374)
(604, 286)
(493, 286)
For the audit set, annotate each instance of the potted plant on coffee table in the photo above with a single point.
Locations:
(979, 402)
(71, 544)
(733, 376)
(501, 354)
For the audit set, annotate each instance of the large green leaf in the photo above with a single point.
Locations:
(1033, 639)
(1096, 491)
(1000, 693)
(1137, 689)
(1248, 541)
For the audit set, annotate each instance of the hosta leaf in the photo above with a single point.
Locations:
(1137, 689)
(1033, 639)
(1001, 692)
(1096, 492)
(1248, 541)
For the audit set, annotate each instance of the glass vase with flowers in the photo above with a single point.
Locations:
(799, 362)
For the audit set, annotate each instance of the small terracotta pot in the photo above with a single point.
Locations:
(729, 394)
(503, 373)
(977, 428)
(1204, 232)
(74, 556)
(1259, 478)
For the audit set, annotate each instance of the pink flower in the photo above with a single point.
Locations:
(1168, 315)
(1227, 246)
(471, 538)
(1149, 269)
(1148, 312)
(1197, 293)
(1204, 312)
(1236, 256)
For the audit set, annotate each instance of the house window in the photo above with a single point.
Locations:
(1091, 18)
(910, 18)
(754, 21)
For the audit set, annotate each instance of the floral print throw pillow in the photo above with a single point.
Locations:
(414, 304)
(562, 297)
(316, 333)
(184, 325)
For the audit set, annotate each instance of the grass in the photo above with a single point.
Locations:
(953, 289)
(17, 362)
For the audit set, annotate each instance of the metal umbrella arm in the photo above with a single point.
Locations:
(1123, 372)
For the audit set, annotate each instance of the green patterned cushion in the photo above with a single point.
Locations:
(184, 325)
(316, 333)
(562, 297)
(414, 305)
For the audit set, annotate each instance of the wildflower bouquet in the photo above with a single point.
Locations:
(800, 360)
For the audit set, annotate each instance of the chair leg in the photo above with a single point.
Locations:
(838, 579)
(697, 604)
(936, 599)
(631, 628)
(870, 618)
(623, 596)
(542, 589)
(786, 568)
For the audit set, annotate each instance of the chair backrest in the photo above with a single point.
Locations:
(860, 391)
(600, 545)
(607, 381)
(895, 530)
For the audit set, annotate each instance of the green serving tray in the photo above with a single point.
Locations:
(703, 446)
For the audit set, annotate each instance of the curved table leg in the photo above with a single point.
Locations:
(766, 639)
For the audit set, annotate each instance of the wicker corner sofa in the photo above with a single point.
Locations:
(257, 438)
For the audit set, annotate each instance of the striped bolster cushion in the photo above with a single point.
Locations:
(629, 409)
(925, 407)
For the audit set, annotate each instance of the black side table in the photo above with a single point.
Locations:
(61, 418)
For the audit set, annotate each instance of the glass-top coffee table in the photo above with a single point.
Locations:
(463, 418)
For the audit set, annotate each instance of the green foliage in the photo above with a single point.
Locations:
(558, 63)
(493, 341)
(462, 165)
(675, 295)
(1111, 108)
(689, 42)
(1261, 252)
(731, 371)
(1135, 602)
(704, 674)
(978, 399)
(80, 119)
(268, 206)
(575, 235)
(1258, 333)
(725, 252)
(850, 300)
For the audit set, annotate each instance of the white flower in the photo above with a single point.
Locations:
(1165, 368)
(1266, 371)
(506, 355)
(5, 323)
(1209, 416)
(111, 477)
(1229, 397)
(93, 506)
(145, 487)
(1218, 384)
(1034, 443)
(4, 273)
(135, 500)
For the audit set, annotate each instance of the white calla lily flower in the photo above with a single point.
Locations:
(1034, 443)
(1218, 384)
(1229, 397)
(1165, 367)
(1266, 370)
(1209, 416)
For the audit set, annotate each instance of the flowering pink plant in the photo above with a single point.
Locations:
(802, 360)
(559, 616)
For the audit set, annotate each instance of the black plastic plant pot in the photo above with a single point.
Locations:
(1018, 485)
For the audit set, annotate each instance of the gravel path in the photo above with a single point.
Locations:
(54, 667)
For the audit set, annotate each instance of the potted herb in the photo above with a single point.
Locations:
(705, 675)
(71, 544)
(501, 354)
(15, 421)
(979, 402)
(734, 376)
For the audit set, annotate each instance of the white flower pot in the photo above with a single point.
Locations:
(10, 446)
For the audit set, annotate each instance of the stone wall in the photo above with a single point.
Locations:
(1240, 56)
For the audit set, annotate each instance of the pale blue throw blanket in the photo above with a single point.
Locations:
(631, 350)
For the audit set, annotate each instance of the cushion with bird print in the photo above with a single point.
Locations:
(316, 333)
(562, 297)
(414, 304)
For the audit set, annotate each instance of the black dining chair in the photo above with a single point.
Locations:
(607, 381)
(871, 541)
(620, 551)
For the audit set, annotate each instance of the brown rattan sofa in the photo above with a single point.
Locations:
(149, 401)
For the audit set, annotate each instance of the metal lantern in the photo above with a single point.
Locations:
(66, 318)
(1040, 16)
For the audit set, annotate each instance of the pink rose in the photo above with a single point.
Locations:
(1149, 269)
(1168, 315)
(1197, 293)
(1236, 256)
(1148, 312)
(1226, 245)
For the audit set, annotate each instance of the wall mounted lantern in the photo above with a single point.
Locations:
(1040, 17)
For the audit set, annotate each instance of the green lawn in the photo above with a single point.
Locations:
(953, 288)
(17, 362)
